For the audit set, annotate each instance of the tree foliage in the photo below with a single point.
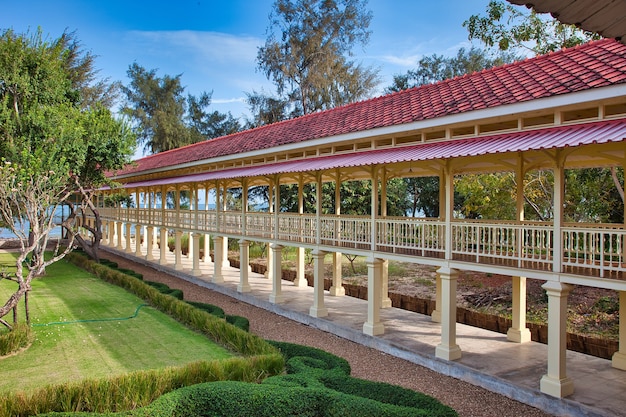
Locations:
(434, 68)
(508, 27)
(306, 53)
(167, 119)
(53, 148)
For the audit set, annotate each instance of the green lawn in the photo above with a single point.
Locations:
(70, 352)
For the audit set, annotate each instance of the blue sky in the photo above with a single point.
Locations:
(213, 43)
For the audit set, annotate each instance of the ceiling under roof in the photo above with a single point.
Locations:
(606, 17)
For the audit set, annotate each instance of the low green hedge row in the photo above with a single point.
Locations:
(238, 321)
(135, 389)
(316, 385)
(17, 338)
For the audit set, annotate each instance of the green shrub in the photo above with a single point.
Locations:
(209, 308)
(317, 386)
(238, 321)
(15, 339)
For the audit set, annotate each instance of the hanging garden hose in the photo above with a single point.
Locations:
(90, 320)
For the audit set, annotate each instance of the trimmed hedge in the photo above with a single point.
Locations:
(317, 385)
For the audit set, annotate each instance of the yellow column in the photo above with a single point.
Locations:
(556, 382)
(120, 235)
(129, 247)
(164, 247)
(300, 280)
(318, 309)
(448, 349)
(386, 301)
(178, 265)
(244, 263)
(195, 237)
(218, 259)
(518, 332)
(138, 239)
(149, 244)
(436, 314)
(337, 288)
(373, 325)
(619, 358)
(277, 296)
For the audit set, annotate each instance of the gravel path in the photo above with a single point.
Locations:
(466, 399)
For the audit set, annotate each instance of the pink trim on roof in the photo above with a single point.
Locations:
(549, 138)
(596, 64)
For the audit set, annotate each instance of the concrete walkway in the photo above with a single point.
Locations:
(489, 360)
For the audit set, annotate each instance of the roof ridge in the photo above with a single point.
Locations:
(487, 88)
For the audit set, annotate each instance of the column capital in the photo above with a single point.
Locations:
(318, 252)
(557, 288)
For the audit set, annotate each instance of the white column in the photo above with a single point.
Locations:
(225, 260)
(556, 382)
(373, 325)
(244, 262)
(318, 309)
(269, 269)
(277, 292)
(448, 349)
(195, 238)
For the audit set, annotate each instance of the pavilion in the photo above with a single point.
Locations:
(565, 110)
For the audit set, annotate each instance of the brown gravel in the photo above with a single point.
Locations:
(466, 399)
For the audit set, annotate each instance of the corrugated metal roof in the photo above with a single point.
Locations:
(550, 138)
(596, 64)
(606, 17)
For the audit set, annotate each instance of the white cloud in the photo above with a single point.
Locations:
(204, 46)
(228, 100)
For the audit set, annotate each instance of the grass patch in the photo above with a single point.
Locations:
(93, 349)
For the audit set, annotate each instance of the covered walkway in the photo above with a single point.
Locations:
(489, 360)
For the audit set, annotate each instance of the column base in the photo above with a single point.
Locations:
(243, 288)
(386, 303)
(449, 353)
(373, 329)
(337, 291)
(518, 335)
(178, 267)
(435, 316)
(277, 299)
(300, 283)
(558, 388)
(217, 279)
(196, 272)
(618, 361)
(318, 312)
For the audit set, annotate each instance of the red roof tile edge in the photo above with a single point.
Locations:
(480, 90)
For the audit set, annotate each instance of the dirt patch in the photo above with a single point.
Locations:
(591, 311)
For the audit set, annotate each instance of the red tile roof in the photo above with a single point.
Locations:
(596, 64)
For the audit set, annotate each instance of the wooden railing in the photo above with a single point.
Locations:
(589, 249)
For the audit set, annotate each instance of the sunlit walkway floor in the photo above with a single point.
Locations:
(488, 360)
